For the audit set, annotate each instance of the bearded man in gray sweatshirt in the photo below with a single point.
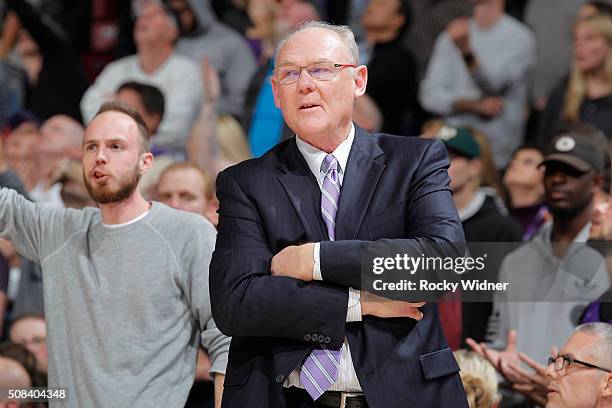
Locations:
(125, 285)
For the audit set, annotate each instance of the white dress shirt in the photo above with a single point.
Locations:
(347, 377)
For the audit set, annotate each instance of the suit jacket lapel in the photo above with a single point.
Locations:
(303, 191)
(362, 173)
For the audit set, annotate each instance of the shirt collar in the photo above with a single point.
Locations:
(314, 156)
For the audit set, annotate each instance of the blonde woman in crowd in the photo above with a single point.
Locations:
(479, 380)
(586, 96)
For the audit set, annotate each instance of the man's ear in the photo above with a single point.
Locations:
(606, 392)
(361, 80)
(275, 91)
(145, 162)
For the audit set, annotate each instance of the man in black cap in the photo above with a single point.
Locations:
(552, 278)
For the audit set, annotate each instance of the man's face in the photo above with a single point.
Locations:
(20, 144)
(567, 189)
(112, 157)
(57, 135)
(183, 189)
(523, 169)
(131, 98)
(31, 333)
(382, 14)
(186, 16)
(318, 111)
(576, 386)
(462, 171)
(153, 25)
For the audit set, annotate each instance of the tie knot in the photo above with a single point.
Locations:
(329, 163)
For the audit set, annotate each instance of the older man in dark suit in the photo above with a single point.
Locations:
(285, 275)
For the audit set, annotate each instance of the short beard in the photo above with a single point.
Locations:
(569, 213)
(106, 196)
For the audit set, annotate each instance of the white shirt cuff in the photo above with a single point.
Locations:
(353, 312)
(316, 269)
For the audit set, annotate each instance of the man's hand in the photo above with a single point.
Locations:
(491, 106)
(377, 306)
(459, 32)
(533, 385)
(296, 261)
(211, 83)
(497, 358)
(487, 107)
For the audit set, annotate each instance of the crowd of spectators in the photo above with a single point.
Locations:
(520, 93)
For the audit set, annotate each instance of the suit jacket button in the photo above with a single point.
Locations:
(279, 379)
(321, 338)
(307, 337)
(314, 337)
(327, 340)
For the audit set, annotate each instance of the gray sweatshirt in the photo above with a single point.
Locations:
(126, 306)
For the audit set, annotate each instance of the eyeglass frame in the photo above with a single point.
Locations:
(570, 360)
(336, 66)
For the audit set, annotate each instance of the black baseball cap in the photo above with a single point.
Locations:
(576, 150)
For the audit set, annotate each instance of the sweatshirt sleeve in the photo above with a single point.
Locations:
(197, 256)
(26, 225)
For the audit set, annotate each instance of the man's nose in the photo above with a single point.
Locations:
(175, 202)
(305, 83)
(101, 156)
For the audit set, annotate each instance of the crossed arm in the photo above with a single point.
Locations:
(249, 301)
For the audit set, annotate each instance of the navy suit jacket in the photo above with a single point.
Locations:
(394, 188)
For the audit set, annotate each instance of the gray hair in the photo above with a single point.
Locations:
(603, 348)
(344, 32)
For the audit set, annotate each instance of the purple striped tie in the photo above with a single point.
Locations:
(320, 369)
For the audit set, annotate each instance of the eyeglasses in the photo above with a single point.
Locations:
(563, 361)
(321, 71)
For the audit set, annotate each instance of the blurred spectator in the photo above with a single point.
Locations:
(587, 95)
(202, 35)
(482, 213)
(600, 310)
(29, 297)
(477, 76)
(484, 219)
(431, 17)
(74, 192)
(349, 13)
(594, 8)
(391, 68)
(581, 373)
(56, 80)
(12, 91)
(30, 332)
(27, 360)
(149, 101)
(12, 376)
(479, 379)
(155, 63)
(552, 280)
(490, 175)
(186, 187)
(233, 146)
(524, 180)
(60, 138)
(552, 27)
